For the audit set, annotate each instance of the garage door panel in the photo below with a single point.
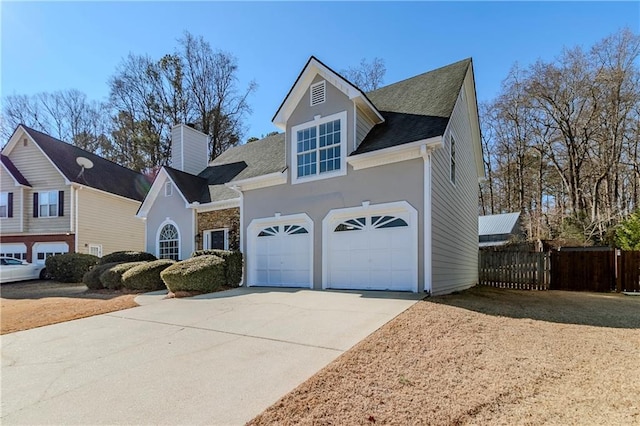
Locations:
(282, 252)
(381, 254)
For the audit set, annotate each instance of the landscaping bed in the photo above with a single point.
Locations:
(484, 356)
(32, 304)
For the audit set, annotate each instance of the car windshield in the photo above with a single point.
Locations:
(11, 262)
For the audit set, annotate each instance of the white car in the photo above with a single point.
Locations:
(12, 269)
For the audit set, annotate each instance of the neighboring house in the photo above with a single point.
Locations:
(361, 191)
(58, 198)
(498, 229)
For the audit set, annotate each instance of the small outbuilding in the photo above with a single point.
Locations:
(498, 229)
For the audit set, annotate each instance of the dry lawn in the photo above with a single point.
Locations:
(34, 304)
(484, 356)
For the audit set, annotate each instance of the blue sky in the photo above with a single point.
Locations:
(49, 46)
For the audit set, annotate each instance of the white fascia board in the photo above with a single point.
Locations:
(315, 67)
(15, 138)
(272, 179)
(394, 154)
(472, 108)
(215, 205)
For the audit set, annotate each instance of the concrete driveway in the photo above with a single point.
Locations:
(213, 359)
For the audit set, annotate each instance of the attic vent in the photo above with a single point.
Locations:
(24, 142)
(318, 93)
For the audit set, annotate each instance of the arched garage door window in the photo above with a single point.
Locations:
(169, 243)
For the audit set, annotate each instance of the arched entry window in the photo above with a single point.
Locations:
(169, 243)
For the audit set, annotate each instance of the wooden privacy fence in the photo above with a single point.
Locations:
(516, 270)
(601, 271)
(583, 270)
(628, 271)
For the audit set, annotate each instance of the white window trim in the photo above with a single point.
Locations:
(96, 246)
(159, 230)
(53, 191)
(206, 243)
(168, 189)
(294, 219)
(336, 215)
(317, 121)
(322, 83)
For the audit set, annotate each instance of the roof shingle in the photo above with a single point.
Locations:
(416, 108)
(105, 175)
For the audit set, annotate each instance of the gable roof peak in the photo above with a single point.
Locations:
(314, 67)
(105, 175)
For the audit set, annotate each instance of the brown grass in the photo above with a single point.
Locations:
(37, 303)
(484, 356)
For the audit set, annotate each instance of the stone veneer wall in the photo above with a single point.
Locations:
(227, 218)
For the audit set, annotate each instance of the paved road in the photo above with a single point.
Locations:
(213, 359)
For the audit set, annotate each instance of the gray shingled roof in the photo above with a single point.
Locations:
(415, 109)
(13, 170)
(238, 163)
(261, 157)
(105, 175)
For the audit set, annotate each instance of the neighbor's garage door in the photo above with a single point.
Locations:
(373, 250)
(16, 250)
(281, 254)
(43, 250)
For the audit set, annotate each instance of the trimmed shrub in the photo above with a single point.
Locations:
(232, 264)
(146, 276)
(111, 278)
(203, 274)
(92, 278)
(127, 256)
(69, 267)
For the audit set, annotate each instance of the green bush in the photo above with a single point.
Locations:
(232, 264)
(111, 278)
(628, 233)
(92, 278)
(69, 267)
(127, 256)
(146, 276)
(204, 274)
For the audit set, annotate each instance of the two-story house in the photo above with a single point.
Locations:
(58, 198)
(370, 190)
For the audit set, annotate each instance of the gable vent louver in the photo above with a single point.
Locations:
(318, 93)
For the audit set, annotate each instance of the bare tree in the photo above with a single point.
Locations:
(211, 80)
(367, 76)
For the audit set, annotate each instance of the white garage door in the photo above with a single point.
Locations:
(282, 255)
(16, 250)
(43, 250)
(372, 250)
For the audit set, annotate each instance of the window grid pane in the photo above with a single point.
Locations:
(327, 147)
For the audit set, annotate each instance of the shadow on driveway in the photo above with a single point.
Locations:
(595, 309)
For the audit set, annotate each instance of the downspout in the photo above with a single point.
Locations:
(428, 268)
(75, 219)
(241, 230)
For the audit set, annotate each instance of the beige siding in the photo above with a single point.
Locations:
(42, 176)
(108, 221)
(11, 225)
(363, 125)
(455, 209)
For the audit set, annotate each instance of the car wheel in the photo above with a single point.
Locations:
(44, 275)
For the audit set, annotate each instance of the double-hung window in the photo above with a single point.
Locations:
(5, 204)
(319, 148)
(48, 204)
